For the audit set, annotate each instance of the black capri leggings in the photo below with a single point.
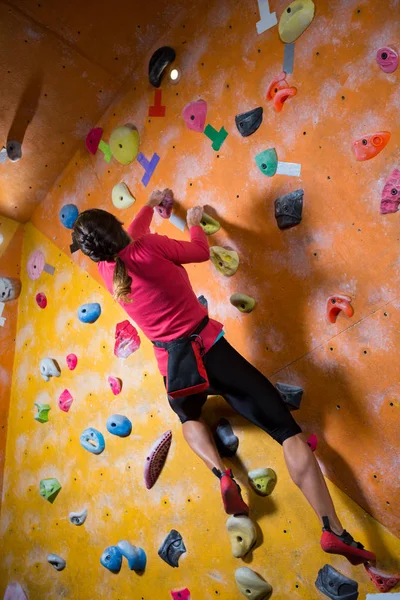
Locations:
(244, 388)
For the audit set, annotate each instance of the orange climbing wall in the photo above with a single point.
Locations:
(349, 371)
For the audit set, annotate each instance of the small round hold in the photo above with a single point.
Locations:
(242, 302)
(41, 300)
(57, 562)
(14, 150)
(68, 215)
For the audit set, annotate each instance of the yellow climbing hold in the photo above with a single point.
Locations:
(252, 585)
(263, 481)
(124, 144)
(295, 20)
(209, 224)
(242, 302)
(225, 261)
(121, 196)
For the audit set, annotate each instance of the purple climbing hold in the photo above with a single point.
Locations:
(156, 458)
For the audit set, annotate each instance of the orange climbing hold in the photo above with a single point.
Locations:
(338, 303)
(370, 145)
(279, 91)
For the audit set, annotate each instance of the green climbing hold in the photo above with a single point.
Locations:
(263, 481)
(50, 488)
(42, 414)
(242, 302)
(267, 162)
(209, 224)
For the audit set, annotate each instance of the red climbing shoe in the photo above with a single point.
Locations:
(345, 545)
(231, 495)
(383, 581)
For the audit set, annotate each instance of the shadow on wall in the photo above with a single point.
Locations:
(26, 109)
(320, 410)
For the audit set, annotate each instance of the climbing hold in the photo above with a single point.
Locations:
(268, 19)
(209, 224)
(115, 385)
(124, 144)
(111, 559)
(149, 166)
(181, 595)
(289, 209)
(226, 441)
(263, 481)
(242, 534)
(383, 581)
(248, 122)
(72, 361)
(119, 425)
(156, 458)
(203, 301)
(391, 193)
(42, 414)
(121, 196)
(94, 142)
(36, 265)
(49, 368)
(313, 442)
(157, 110)
(158, 63)
(10, 289)
(65, 401)
(41, 300)
(295, 20)
(68, 215)
(387, 59)
(217, 137)
(89, 313)
(225, 261)
(172, 548)
(335, 304)
(164, 209)
(335, 585)
(242, 302)
(14, 591)
(56, 561)
(252, 585)
(78, 518)
(49, 488)
(136, 557)
(279, 91)
(291, 394)
(14, 150)
(92, 440)
(127, 339)
(194, 114)
(267, 162)
(370, 145)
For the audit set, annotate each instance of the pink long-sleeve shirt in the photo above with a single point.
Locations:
(164, 304)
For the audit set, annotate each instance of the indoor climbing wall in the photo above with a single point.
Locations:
(349, 369)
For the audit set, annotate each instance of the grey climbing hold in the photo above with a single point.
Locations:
(248, 122)
(335, 585)
(78, 518)
(252, 585)
(289, 209)
(242, 534)
(172, 548)
(57, 562)
(158, 63)
(203, 300)
(291, 394)
(226, 441)
(49, 368)
(14, 150)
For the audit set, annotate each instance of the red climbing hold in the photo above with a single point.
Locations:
(127, 339)
(279, 91)
(370, 145)
(391, 193)
(65, 401)
(181, 595)
(156, 458)
(41, 300)
(337, 303)
(383, 581)
(115, 384)
(313, 442)
(72, 361)
(93, 139)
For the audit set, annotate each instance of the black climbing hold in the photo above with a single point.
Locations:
(158, 63)
(248, 122)
(291, 394)
(226, 441)
(172, 548)
(289, 209)
(335, 585)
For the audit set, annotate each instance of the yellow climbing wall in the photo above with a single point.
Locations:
(349, 371)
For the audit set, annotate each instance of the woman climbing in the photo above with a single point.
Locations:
(144, 273)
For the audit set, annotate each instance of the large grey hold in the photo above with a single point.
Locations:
(289, 209)
(78, 518)
(291, 394)
(335, 585)
(172, 548)
(248, 122)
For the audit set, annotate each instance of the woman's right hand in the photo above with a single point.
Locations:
(155, 198)
(194, 216)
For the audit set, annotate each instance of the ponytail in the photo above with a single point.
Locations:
(122, 282)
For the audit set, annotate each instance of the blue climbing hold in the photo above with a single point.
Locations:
(89, 313)
(92, 440)
(119, 425)
(136, 557)
(111, 559)
(68, 215)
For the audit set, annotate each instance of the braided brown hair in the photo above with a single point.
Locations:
(100, 235)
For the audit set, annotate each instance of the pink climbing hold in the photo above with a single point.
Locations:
(35, 264)
(313, 442)
(194, 114)
(156, 458)
(41, 300)
(383, 581)
(127, 339)
(14, 591)
(115, 385)
(387, 59)
(72, 361)
(181, 595)
(93, 139)
(391, 193)
(65, 401)
(164, 209)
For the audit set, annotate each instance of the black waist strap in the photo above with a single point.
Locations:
(198, 330)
